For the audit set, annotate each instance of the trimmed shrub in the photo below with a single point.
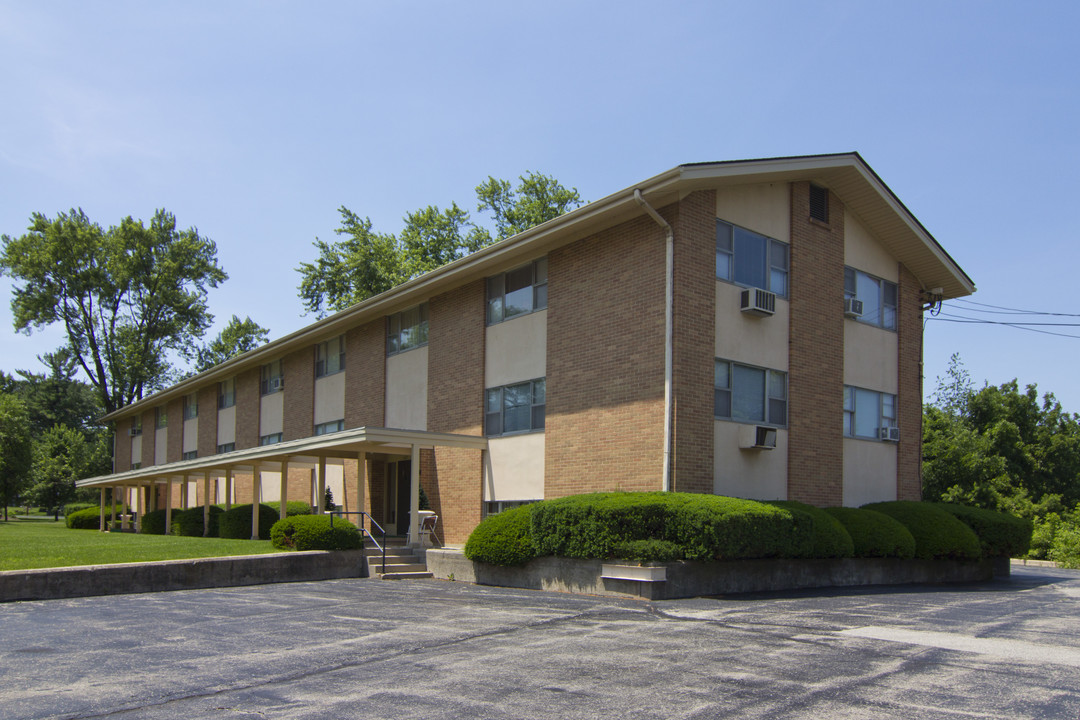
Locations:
(235, 523)
(295, 507)
(313, 532)
(648, 551)
(1000, 534)
(89, 518)
(153, 522)
(829, 540)
(938, 534)
(504, 538)
(874, 534)
(77, 506)
(190, 522)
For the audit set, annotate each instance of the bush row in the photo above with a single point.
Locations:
(671, 526)
(90, 518)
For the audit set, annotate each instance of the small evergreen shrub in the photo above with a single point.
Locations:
(648, 551)
(89, 518)
(938, 534)
(295, 507)
(504, 538)
(1000, 534)
(830, 539)
(874, 534)
(314, 532)
(190, 522)
(153, 522)
(236, 522)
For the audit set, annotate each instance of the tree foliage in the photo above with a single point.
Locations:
(237, 337)
(61, 456)
(364, 262)
(126, 296)
(15, 448)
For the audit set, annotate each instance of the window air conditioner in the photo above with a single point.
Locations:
(852, 308)
(892, 434)
(275, 384)
(754, 301)
(757, 437)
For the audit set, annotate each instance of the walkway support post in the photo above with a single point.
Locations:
(168, 505)
(414, 497)
(256, 482)
(112, 520)
(206, 504)
(101, 519)
(321, 492)
(228, 489)
(284, 487)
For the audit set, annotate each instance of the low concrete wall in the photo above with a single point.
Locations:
(690, 579)
(56, 583)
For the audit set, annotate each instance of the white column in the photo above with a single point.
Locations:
(139, 503)
(153, 498)
(228, 488)
(322, 485)
(256, 486)
(101, 523)
(284, 486)
(414, 497)
(112, 520)
(168, 504)
(361, 484)
(206, 504)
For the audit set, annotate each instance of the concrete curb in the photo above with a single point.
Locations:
(89, 580)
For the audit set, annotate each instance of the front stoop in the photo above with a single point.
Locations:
(402, 562)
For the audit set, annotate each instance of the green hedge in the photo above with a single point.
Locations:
(190, 522)
(295, 507)
(938, 534)
(1000, 534)
(874, 534)
(504, 538)
(90, 518)
(314, 532)
(236, 522)
(648, 551)
(153, 522)
(74, 507)
(830, 538)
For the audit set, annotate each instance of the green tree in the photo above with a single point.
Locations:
(15, 449)
(58, 398)
(365, 263)
(60, 457)
(126, 296)
(237, 337)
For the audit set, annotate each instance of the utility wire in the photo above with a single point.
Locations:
(1001, 310)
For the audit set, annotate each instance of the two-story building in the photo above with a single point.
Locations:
(748, 328)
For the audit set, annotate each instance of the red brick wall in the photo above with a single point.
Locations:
(247, 408)
(605, 361)
(455, 405)
(299, 400)
(174, 444)
(149, 430)
(365, 375)
(122, 449)
(208, 399)
(909, 397)
(816, 353)
(694, 342)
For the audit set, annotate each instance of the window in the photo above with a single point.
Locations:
(136, 465)
(226, 447)
(191, 406)
(867, 411)
(273, 378)
(136, 426)
(162, 418)
(190, 455)
(878, 297)
(270, 439)
(330, 357)
(494, 507)
(515, 408)
(518, 292)
(226, 394)
(749, 394)
(407, 329)
(819, 203)
(329, 427)
(749, 259)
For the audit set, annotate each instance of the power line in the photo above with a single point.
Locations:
(1001, 310)
(1018, 326)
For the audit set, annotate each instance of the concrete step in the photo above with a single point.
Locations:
(394, 567)
(404, 575)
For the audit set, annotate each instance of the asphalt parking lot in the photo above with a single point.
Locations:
(435, 649)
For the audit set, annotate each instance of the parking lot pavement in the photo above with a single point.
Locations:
(436, 649)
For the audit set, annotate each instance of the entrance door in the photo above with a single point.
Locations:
(398, 493)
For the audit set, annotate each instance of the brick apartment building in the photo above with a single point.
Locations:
(748, 328)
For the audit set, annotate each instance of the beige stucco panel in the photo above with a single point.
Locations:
(745, 473)
(330, 398)
(863, 252)
(191, 435)
(763, 208)
(514, 468)
(516, 350)
(272, 413)
(761, 341)
(871, 357)
(161, 445)
(226, 425)
(869, 471)
(406, 389)
(136, 449)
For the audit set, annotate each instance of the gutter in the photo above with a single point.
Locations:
(669, 281)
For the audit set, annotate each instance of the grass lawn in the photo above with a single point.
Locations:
(26, 544)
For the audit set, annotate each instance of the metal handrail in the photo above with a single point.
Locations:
(363, 515)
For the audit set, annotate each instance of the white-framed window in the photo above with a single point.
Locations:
(226, 394)
(270, 439)
(191, 406)
(407, 329)
(136, 465)
(515, 408)
(330, 357)
(878, 297)
(329, 427)
(273, 378)
(190, 455)
(749, 394)
(136, 426)
(162, 418)
(518, 292)
(746, 258)
(494, 507)
(867, 411)
(226, 447)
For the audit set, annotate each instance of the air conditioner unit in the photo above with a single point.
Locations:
(891, 434)
(754, 301)
(275, 384)
(852, 308)
(757, 437)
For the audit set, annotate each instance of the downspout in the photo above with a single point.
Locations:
(669, 281)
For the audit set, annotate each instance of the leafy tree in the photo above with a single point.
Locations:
(126, 296)
(237, 337)
(60, 457)
(365, 263)
(57, 398)
(15, 458)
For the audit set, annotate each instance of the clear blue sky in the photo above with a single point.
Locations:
(255, 121)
